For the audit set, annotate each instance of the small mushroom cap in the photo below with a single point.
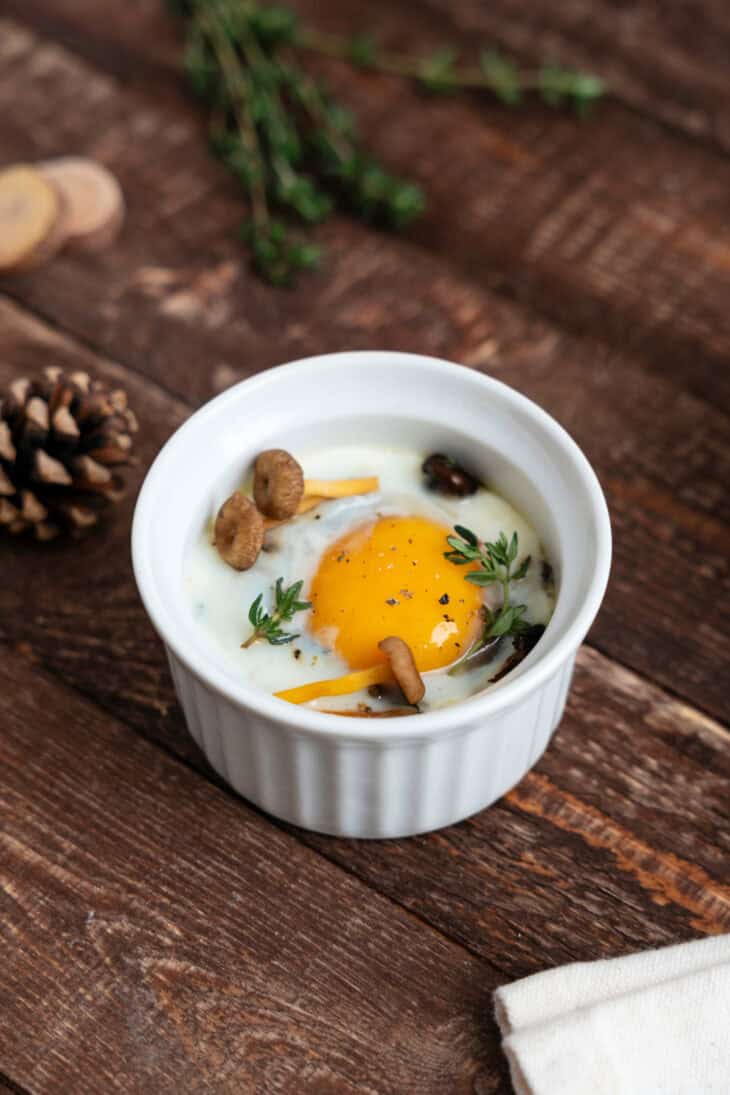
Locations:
(403, 665)
(278, 484)
(445, 475)
(239, 532)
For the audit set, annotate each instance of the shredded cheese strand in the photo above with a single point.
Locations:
(338, 686)
(341, 488)
(304, 507)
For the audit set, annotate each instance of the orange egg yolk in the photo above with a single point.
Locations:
(389, 577)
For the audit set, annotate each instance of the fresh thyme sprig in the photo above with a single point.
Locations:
(268, 626)
(442, 71)
(294, 149)
(496, 562)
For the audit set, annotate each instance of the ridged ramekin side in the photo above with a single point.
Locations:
(360, 788)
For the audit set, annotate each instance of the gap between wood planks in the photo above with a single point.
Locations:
(350, 870)
(644, 863)
(56, 680)
(669, 877)
(589, 37)
(666, 240)
(716, 724)
(159, 911)
(638, 494)
(161, 315)
(145, 62)
(8, 1085)
(179, 400)
(460, 299)
(646, 258)
(535, 795)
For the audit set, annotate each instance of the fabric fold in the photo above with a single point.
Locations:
(656, 1023)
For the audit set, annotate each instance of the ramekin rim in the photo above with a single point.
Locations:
(442, 721)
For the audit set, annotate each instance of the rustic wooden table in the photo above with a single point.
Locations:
(158, 934)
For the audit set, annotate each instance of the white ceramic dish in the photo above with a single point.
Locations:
(358, 777)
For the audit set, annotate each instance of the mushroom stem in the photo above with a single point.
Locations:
(403, 667)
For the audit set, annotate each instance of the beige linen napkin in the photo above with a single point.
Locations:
(656, 1023)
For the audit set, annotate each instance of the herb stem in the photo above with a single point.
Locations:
(505, 592)
(268, 625)
(239, 91)
(495, 567)
(407, 66)
(293, 147)
(312, 100)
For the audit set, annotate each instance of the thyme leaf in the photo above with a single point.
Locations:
(496, 567)
(268, 625)
(293, 148)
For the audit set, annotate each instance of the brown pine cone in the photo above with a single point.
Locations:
(60, 436)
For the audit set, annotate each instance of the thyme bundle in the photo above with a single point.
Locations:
(295, 150)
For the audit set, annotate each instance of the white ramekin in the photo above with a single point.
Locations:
(356, 777)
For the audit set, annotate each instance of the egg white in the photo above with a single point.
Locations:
(219, 597)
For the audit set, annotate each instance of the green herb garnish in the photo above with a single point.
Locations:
(496, 561)
(286, 606)
(445, 72)
(294, 149)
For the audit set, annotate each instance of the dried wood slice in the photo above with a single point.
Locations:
(30, 218)
(93, 198)
(51, 244)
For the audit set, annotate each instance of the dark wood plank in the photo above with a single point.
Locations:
(81, 597)
(616, 841)
(160, 936)
(666, 63)
(613, 226)
(669, 61)
(668, 496)
(174, 300)
(577, 832)
(7, 1086)
(594, 830)
(141, 47)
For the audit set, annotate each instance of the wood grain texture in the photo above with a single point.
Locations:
(8, 1087)
(663, 456)
(638, 843)
(613, 226)
(668, 61)
(160, 936)
(52, 590)
(176, 292)
(597, 837)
